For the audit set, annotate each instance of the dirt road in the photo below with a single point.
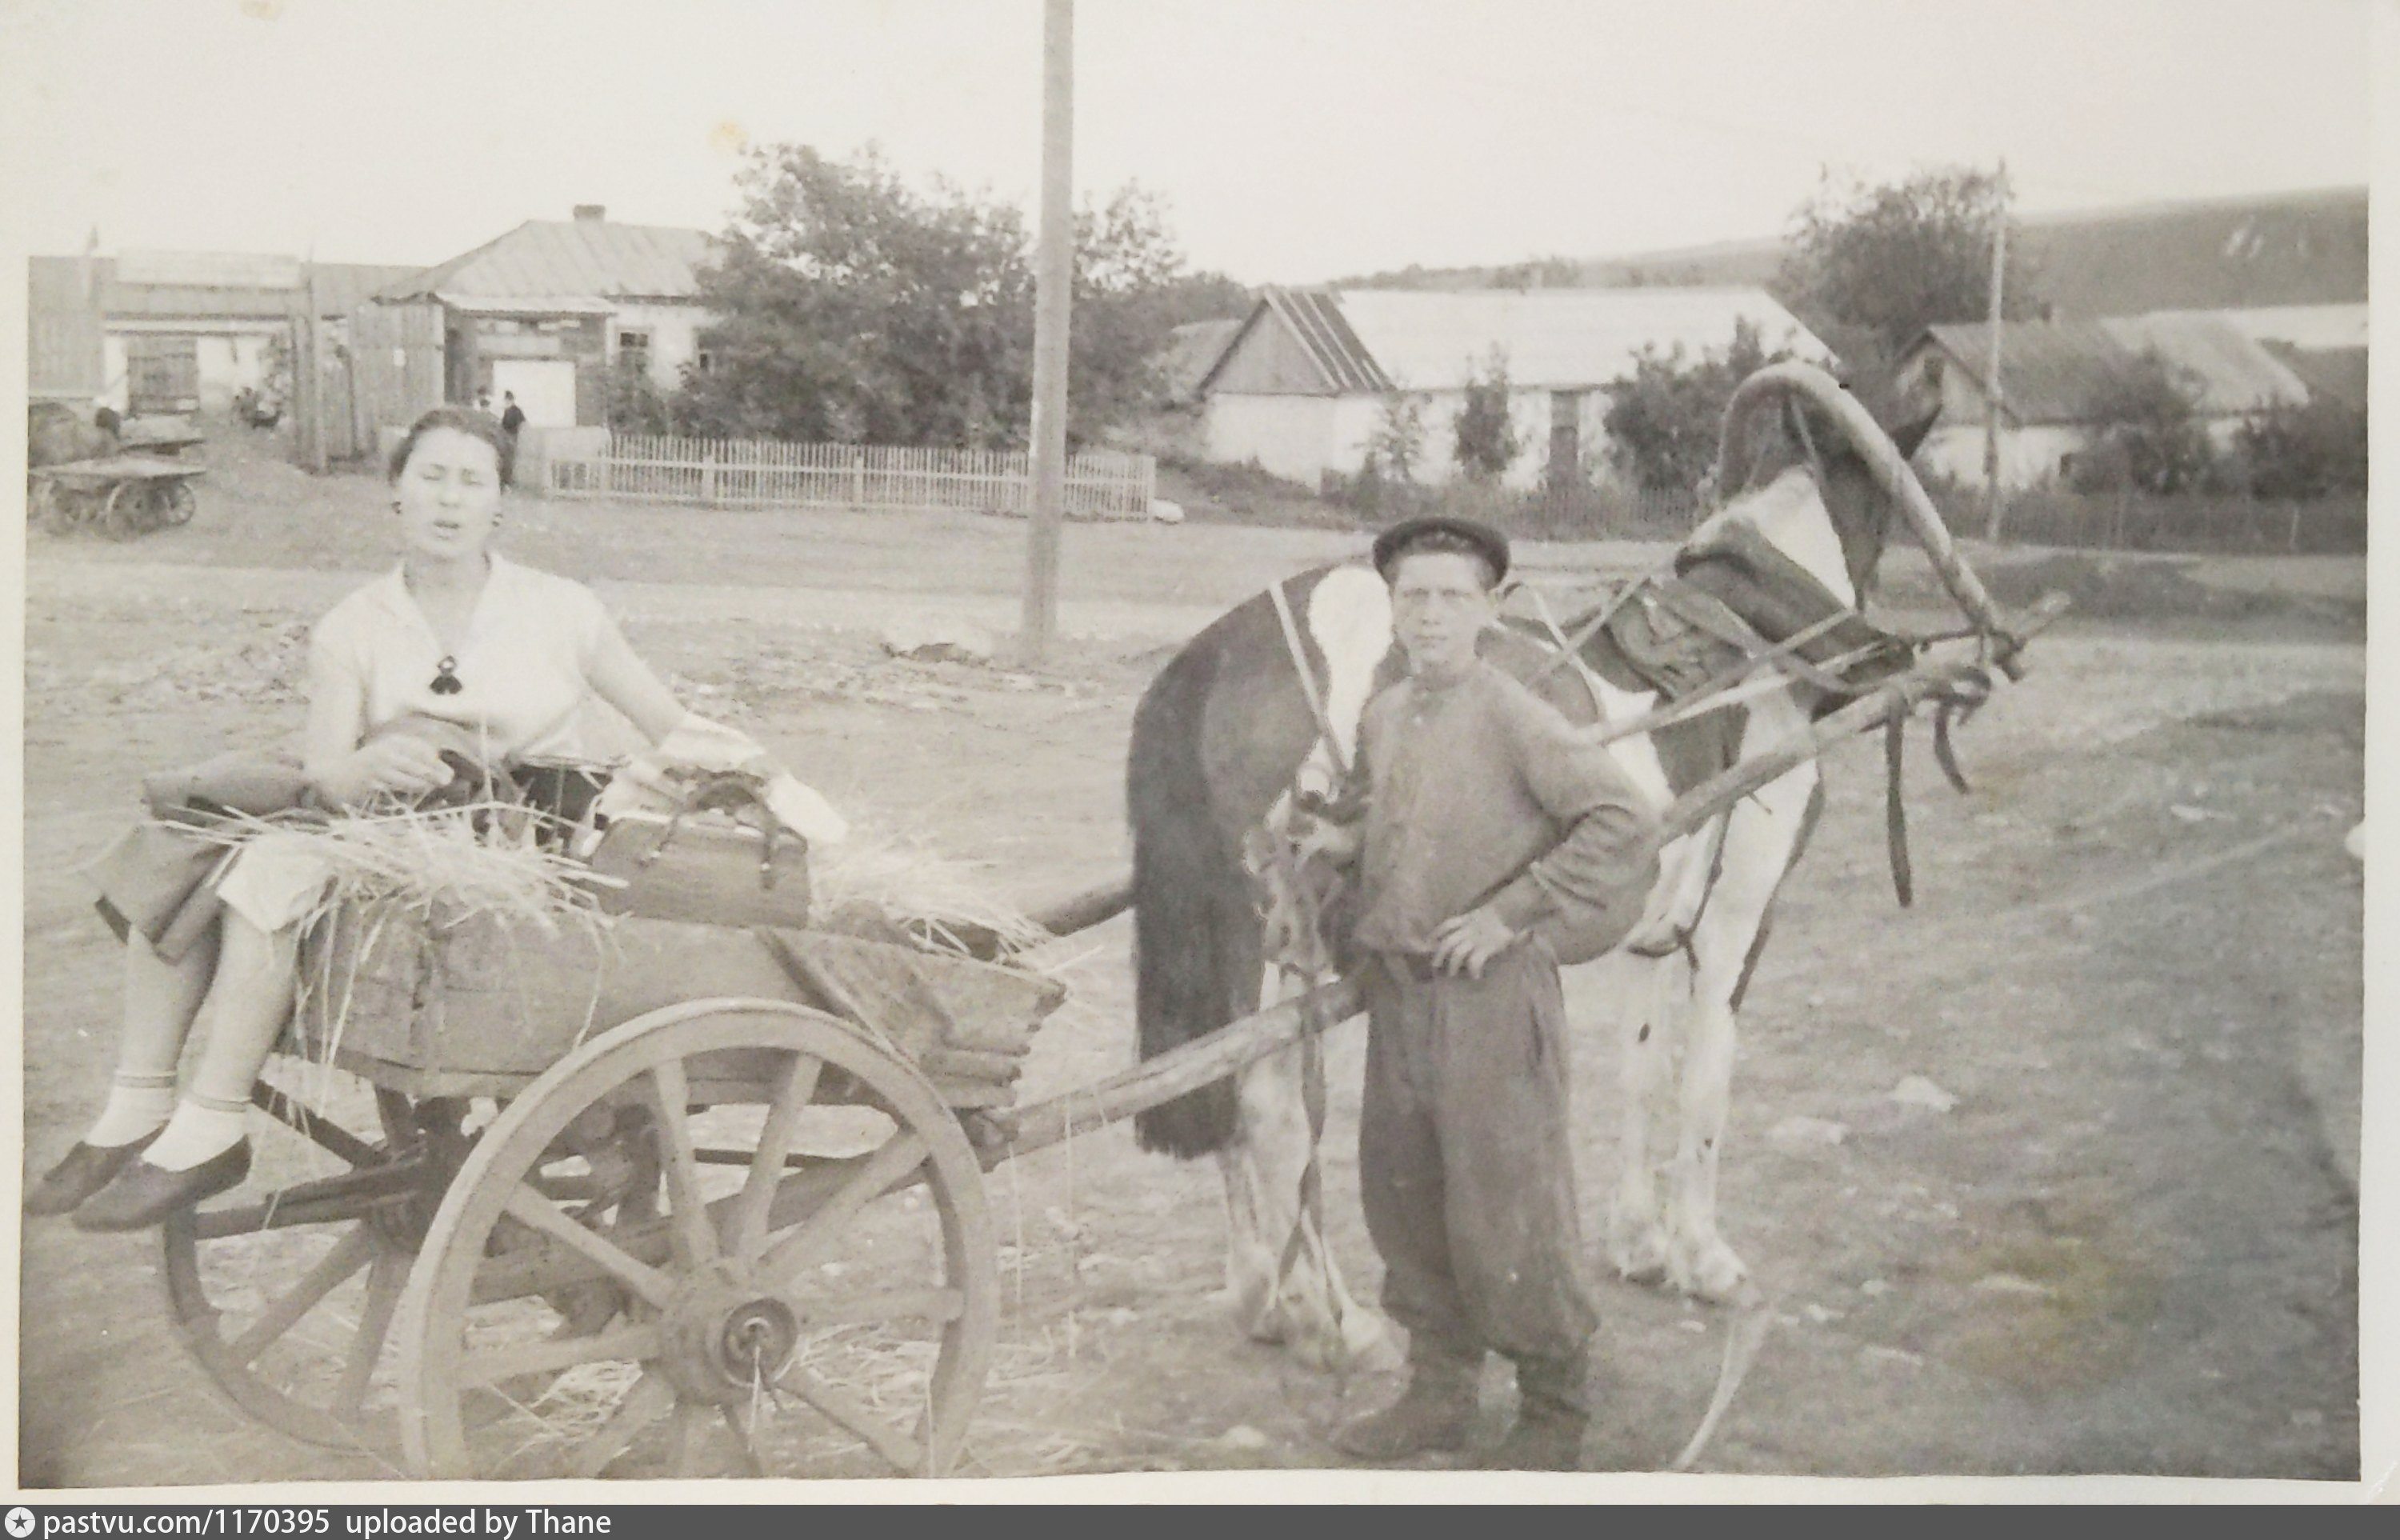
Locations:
(2135, 962)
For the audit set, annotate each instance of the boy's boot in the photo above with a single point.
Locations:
(1432, 1413)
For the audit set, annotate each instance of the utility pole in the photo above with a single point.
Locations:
(1992, 510)
(1053, 296)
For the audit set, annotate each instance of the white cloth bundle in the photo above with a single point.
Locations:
(655, 781)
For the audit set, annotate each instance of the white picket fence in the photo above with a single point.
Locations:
(757, 474)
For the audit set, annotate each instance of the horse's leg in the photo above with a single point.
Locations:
(1250, 1296)
(1639, 990)
(1762, 841)
(1306, 1306)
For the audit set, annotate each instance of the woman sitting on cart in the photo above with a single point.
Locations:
(456, 636)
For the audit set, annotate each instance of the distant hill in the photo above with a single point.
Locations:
(2302, 248)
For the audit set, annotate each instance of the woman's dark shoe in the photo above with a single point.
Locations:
(142, 1194)
(86, 1169)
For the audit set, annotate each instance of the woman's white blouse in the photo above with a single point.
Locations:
(525, 687)
(524, 667)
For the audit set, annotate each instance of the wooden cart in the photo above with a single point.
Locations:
(120, 496)
(666, 1198)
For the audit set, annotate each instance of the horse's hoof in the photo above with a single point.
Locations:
(1640, 1258)
(1368, 1345)
(1249, 1310)
(1711, 1272)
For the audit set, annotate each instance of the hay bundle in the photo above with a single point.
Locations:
(940, 901)
(437, 868)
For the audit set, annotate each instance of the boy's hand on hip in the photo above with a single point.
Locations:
(1463, 944)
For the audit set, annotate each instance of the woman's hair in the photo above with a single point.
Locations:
(459, 419)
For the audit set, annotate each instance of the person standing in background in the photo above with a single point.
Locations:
(512, 420)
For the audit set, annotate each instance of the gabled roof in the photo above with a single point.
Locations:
(2331, 373)
(1192, 350)
(2051, 371)
(1384, 339)
(582, 260)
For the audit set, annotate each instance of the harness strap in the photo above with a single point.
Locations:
(1712, 614)
(1572, 649)
(1895, 811)
(1308, 686)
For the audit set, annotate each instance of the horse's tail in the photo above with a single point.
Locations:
(1197, 941)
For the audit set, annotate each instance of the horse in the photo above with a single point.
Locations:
(1250, 726)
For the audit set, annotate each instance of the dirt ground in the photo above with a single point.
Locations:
(2135, 960)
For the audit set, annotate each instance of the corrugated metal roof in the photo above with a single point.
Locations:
(2051, 371)
(588, 258)
(1384, 339)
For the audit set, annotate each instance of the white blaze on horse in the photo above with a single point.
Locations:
(1755, 633)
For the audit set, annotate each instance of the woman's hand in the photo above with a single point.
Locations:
(396, 764)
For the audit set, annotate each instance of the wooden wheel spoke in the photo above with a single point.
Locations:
(353, 1251)
(900, 1155)
(744, 1444)
(387, 1276)
(746, 1220)
(670, 1091)
(650, 1398)
(892, 1304)
(901, 1451)
(529, 1208)
(490, 1366)
(692, 1420)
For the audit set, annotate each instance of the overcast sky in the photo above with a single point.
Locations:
(1294, 140)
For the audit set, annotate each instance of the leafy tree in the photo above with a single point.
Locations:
(1397, 443)
(1663, 419)
(856, 307)
(2146, 434)
(2301, 451)
(635, 403)
(1485, 435)
(1894, 259)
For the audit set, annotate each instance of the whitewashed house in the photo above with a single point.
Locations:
(1301, 387)
(547, 309)
(2053, 371)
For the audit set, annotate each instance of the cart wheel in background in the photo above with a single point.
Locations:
(127, 512)
(809, 1283)
(175, 504)
(284, 1290)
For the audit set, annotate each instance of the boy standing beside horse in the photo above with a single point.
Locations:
(1490, 832)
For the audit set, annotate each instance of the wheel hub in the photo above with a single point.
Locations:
(725, 1337)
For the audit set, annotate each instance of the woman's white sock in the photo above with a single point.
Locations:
(193, 1135)
(130, 1111)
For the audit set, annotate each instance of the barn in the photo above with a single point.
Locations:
(547, 309)
(168, 332)
(2051, 372)
(1303, 382)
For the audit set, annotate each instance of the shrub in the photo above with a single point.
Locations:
(1486, 443)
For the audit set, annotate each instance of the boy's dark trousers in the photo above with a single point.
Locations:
(1467, 1174)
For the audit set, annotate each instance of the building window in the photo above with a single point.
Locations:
(634, 348)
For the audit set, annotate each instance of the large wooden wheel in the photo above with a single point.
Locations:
(801, 1280)
(284, 1290)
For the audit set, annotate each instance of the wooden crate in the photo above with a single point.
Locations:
(474, 1006)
